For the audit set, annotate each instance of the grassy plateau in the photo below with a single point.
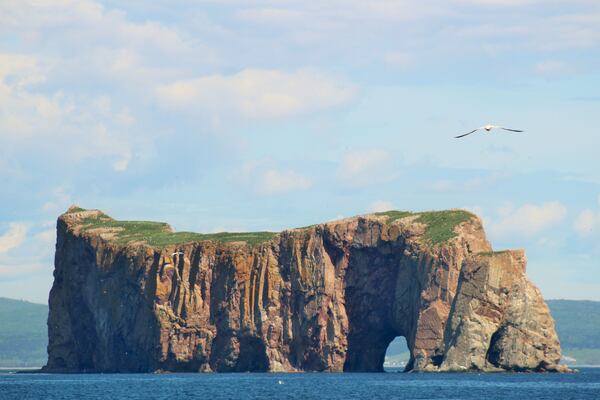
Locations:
(440, 224)
(440, 228)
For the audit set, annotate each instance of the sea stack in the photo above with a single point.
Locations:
(136, 297)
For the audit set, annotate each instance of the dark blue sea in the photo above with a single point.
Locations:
(390, 385)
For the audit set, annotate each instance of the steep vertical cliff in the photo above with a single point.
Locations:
(135, 296)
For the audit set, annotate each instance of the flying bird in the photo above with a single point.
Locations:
(488, 128)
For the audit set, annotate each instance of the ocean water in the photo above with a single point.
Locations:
(390, 385)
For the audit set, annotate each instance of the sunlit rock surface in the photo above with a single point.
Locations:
(135, 297)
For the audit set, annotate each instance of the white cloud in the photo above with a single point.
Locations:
(477, 210)
(528, 219)
(399, 59)
(19, 269)
(472, 184)
(366, 166)
(509, 28)
(258, 93)
(79, 130)
(380, 205)
(443, 185)
(23, 69)
(58, 202)
(122, 164)
(279, 16)
(34, 254)
(572, 24)
(76, 45)
(265, 176)
(90, 19)
(15, 236)
(275, 182)
(552, 67)
(325, 14)
(588, 222)
(47, 236)
(575, 31)
(22, 111)
(502, 2)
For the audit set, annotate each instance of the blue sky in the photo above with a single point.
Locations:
(253, 115)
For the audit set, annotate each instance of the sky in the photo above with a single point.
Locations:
(239, 115)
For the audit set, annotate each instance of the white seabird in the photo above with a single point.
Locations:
(488, 128)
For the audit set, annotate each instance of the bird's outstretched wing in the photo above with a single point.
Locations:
(465, 134)
(512, 130)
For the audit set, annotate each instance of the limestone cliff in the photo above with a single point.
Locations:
(136, 297)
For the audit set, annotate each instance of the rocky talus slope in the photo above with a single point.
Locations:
(136, 297)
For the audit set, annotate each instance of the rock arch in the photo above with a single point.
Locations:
(329, 297)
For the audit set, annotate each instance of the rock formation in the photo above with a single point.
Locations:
(136, 297)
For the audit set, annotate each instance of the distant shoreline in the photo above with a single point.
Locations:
(26, 371)
(10, 369)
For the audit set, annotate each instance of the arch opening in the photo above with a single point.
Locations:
(397, 355)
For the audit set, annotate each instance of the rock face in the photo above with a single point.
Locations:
(134, 297)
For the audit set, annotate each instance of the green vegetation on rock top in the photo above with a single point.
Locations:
(492, 253)
(440, 228)
(393, 215)
(158, 234)
(75, 209)
(440, 224)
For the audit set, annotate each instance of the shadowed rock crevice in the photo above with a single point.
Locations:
(329, 297)
(493, 353)
(371, 278)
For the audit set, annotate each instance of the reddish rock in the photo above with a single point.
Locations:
(330, 297)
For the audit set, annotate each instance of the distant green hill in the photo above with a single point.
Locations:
(23, 333)
(577, 322)
(578, 327)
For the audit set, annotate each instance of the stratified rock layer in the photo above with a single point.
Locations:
(330, 297)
